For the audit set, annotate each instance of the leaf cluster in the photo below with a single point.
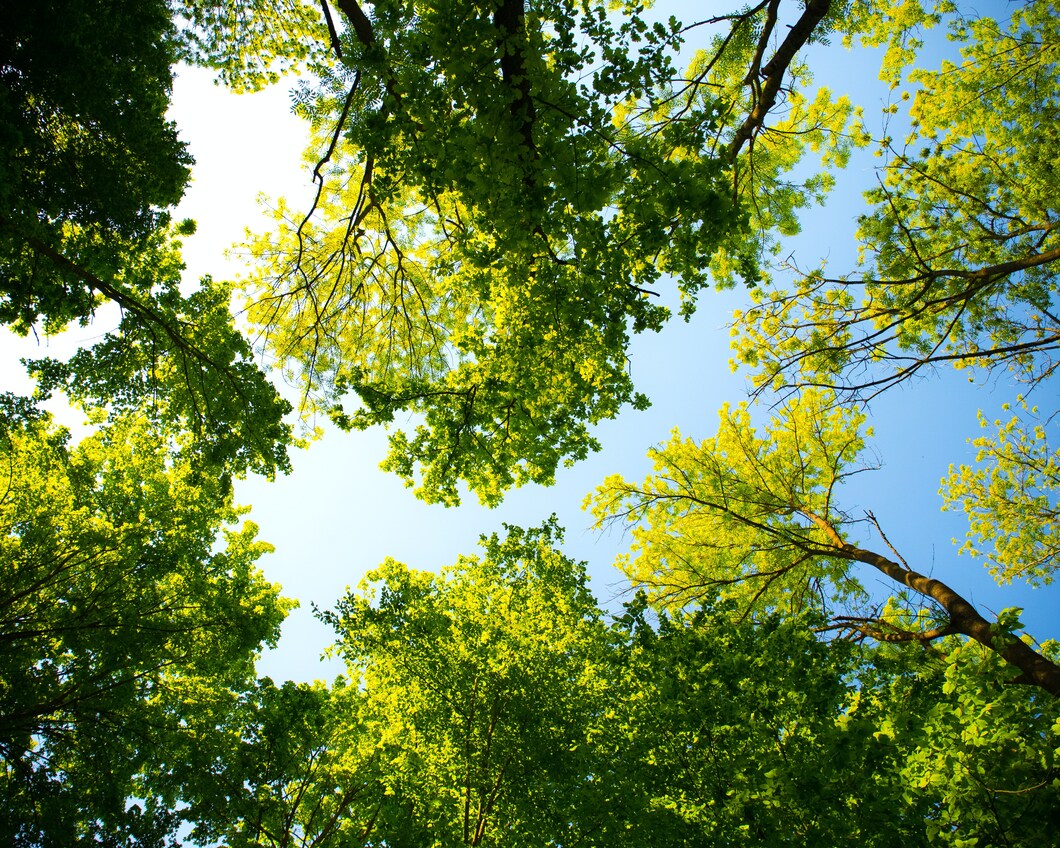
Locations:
(501, 192)
(958, 246)
(744, 514)
(116, 590)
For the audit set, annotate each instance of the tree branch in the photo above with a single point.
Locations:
(964, 618)
(362, 27)
(510, 22)
(336, 46)
(774, 70)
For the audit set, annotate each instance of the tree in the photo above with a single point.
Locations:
(471, 283)
(726, 732)
(89, 167)
(959, 244)
(92, 149)
(478, 687)
(959, 269)
(757, 518)
(500, 190)
(490, 705)
(116, 593)
(127, 592)
(86, 152)
(973, 756)
(267, 765)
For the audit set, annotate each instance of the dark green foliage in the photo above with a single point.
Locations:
(89, 165)
(85, 146)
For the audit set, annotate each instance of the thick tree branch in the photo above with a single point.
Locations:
(964, 618)
(335, 45)
(362, 27)
(755, 69)
(510, 22)
(773, 73)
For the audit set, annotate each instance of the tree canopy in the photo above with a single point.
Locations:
(501, 193)
(958, 246)
(90, 167)
(490, 704)
(506, 194)
(116, 595)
